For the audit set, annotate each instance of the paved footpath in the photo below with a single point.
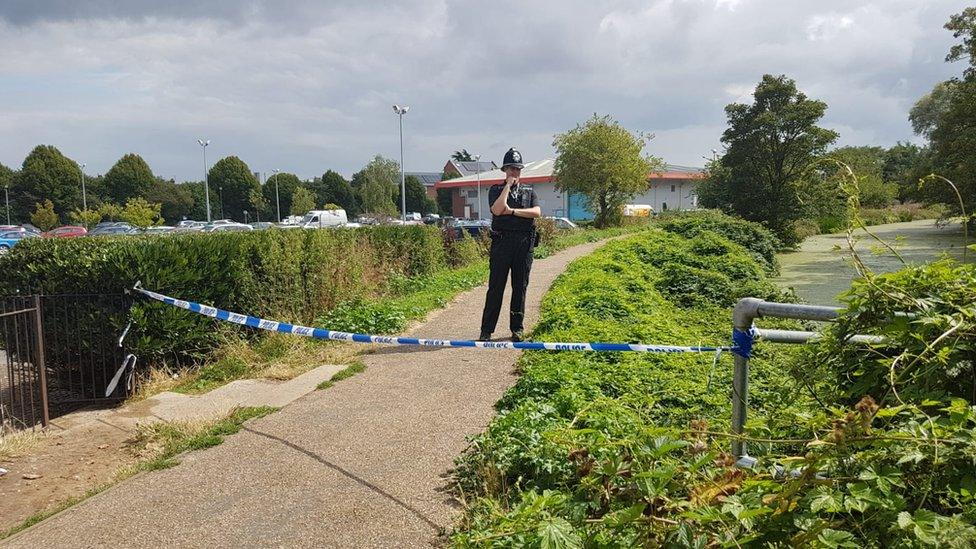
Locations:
(363, 464)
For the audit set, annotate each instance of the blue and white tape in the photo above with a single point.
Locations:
(321, 333)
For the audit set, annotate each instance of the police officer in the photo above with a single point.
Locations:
(514, 208)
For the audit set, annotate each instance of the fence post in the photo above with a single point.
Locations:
(743, 315)
(39, 362)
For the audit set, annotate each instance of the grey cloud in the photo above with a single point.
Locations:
(307, 86)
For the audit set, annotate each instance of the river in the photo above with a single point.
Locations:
(821, 269)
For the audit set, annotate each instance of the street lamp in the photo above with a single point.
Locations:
(206, 176)
(84, 199)
(220, 189)
(6, 192)
(277, 200)
(400, 111)
(245, 217)
(477, 159)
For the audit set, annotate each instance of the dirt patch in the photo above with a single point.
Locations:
(55, 468)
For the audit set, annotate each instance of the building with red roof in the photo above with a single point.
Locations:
(671, 189)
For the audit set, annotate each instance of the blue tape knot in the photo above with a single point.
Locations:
(742, 341)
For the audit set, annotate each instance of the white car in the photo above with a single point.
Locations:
(563, 223)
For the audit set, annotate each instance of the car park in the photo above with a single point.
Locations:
(68, 231)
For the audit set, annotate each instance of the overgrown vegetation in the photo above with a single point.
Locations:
(857, 447)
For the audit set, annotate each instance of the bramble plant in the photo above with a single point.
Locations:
(857, 447)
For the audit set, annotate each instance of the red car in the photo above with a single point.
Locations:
(65, 232)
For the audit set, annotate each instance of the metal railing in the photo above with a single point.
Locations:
(23, 383)
(744, 315)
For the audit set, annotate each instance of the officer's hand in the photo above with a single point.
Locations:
(510, 180)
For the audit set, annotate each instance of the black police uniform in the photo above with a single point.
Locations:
(512, 243)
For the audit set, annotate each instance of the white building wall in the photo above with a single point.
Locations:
(554, 203)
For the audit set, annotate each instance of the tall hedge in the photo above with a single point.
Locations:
(293, 276)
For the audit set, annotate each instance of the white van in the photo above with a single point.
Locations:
(318, 219)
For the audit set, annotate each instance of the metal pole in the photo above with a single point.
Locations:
(220, 189)
(745, 312)
(477, 160)
(40, 363)
(6, 192)
(206, 177)
(84, 198)
(277, 200)
(403, 185)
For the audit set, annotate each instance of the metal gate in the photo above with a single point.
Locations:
(60, 353)
(23, 386)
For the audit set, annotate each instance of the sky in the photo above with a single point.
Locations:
(308, 85)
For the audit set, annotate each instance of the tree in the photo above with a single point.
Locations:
(46, 175)
(927, 111)
(771, 146)
(417, 200)
(462, 156)
(953, 137)
(963, 25)
(287, 184)
(130, 177)
(260, 204)
(85, 218)
(604, 163)
(140, 213)
(867, 163)
(176, 200)
(235, 178)
(302, 201)
(904, 164)
(44, 216)
(336, 190)
(110, 211)
(378, 187)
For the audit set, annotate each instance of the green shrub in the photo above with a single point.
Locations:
(619, 449)
(294, 276)
(365, 317)
(761, 242)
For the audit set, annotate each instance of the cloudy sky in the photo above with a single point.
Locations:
(307, 85)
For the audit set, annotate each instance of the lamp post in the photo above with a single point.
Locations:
(400, 111)
(84, 198)
(245, 217)
(477, 160)
(277, 200)
(206, 176)
(220, 190)
(6, 192)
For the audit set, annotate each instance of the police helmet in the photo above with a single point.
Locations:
(513, 158)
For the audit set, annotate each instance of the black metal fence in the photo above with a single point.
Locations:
(62, 352)
(23, 388)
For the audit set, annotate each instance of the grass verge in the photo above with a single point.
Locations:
(347, 372)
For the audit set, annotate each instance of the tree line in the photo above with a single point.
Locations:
(47, 191)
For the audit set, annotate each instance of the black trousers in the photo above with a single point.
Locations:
(511, 252)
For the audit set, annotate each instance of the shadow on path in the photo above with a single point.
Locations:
(349, 475)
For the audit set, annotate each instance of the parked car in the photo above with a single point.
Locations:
(159, 229)
(230, 227)
(318, 219)
(431, 219)
(10, 238)
(473, 227)
(68, 231)
(262, 225)
(563, 223)
(113, 229)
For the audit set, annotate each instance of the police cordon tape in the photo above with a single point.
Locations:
(321, 333)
